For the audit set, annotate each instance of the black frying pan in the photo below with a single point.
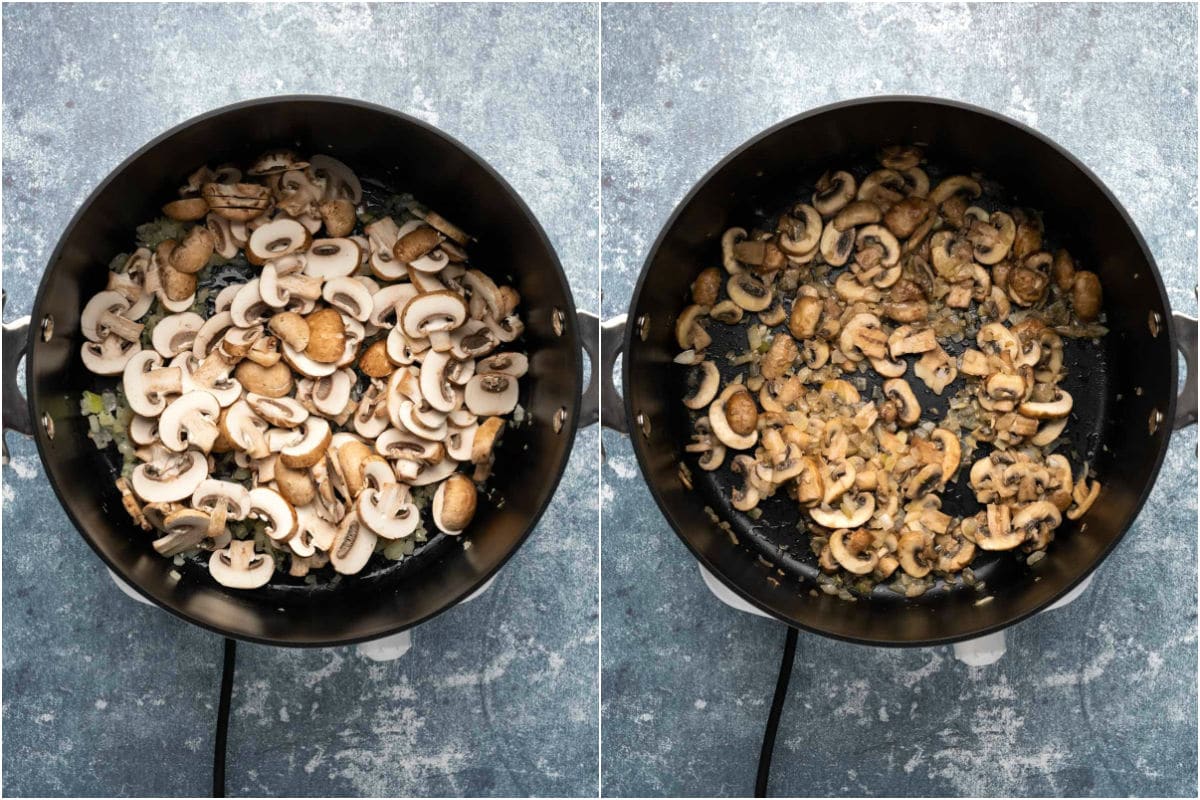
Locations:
(382, 146)
(1124, 388)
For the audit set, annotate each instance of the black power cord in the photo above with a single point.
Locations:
(218, 772)
(781, 687)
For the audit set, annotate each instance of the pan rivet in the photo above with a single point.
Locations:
(643, 326)
(47, 327)
(1156, 418)
(644, 423)
(558, 321)
(48, 424)
(1155, 323)
(560, 419)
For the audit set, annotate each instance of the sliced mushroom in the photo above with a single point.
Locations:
(999, 533)
(170, 477)
(1055, 408)
(936, 369)
(331, 393)
(309, 450)
(908, 410)
(332, 258)
(706, 387)
(238, 566)
(833, 192)
(147, 383)
(491, 394)
(109, 357)
(352, 546)
(184, 529)
(749, 292)
(850, 549)
(433, 315)
(103, 316)
(954, 185)
(190, 421)
(721, 425)
(387, 511)
(276, 239)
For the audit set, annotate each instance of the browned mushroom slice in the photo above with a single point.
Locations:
(237, 202)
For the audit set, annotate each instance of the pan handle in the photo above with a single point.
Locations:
(1185, 336)
(612, 344)
(16, 410)
(589, 333)
(601, 392)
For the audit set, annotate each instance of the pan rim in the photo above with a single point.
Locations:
(630, 342)
(570, 333)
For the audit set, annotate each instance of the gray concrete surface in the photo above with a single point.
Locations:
(1096, 699)
(103, 696)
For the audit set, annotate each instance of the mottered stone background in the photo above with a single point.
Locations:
(1098, 698)
(103, 696)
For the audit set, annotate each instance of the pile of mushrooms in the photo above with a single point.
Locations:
(871, 278)
(350, 369)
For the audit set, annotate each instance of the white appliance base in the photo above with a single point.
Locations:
(973, 652)
(389, 648)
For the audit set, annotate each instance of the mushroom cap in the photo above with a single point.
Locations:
(295, 485)
(291, 328)
(910, 552)
(313, 532)
(515, 364)
(999, 533)
(749, 292)
(491, 394)
(238, 566)
(272, 381)
(432, 473)
(454, 504)
(720, 423)
(326, 337)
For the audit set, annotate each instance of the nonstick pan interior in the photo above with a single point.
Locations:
(779, 534)
(1120, 386)
(393, 151)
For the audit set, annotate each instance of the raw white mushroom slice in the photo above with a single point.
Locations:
(170, 477)
(352, 546)
(238, 566)
(276, 239)
(190, 421)
(491, 394)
